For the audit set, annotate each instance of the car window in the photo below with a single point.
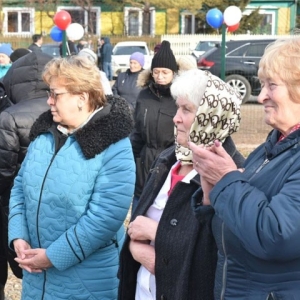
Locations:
(239, 51)
(128, 50)
(256, 50)
(204, 46)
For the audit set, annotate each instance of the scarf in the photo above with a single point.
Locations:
(217, 117)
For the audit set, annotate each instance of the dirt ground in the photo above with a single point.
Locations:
(253, 131)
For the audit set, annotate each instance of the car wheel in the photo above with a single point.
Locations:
(241, 85)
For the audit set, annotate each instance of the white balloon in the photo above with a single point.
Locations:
(75, 32)
(232, 15)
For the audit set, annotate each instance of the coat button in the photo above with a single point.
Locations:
(165, 261)
(162, 297)
(173, 222)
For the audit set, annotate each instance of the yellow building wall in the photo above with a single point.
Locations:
(160, 23)
(173, 21)
(112, 23)
(43, 23)
(284, 15)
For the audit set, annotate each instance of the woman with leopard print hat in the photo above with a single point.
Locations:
(169, 253)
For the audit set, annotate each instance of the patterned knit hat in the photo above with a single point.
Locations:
(164, 58)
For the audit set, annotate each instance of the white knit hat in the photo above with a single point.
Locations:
(90, 54)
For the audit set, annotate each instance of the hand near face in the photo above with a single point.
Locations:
(33, 260)
(206, 188)
(213, 163)
(142, 229)
(144, 254)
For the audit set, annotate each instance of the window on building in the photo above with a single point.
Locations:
(133, 22)
(137, 22)
(88, 17)
(18, 21)
(190, 24)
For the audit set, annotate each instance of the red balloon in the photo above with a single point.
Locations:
(62, 19)
(233, 27)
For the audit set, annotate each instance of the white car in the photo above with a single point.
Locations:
(121, 54)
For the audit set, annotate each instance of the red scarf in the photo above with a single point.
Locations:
(175, 177)
(296, 127)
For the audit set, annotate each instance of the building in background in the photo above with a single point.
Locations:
(26, 17)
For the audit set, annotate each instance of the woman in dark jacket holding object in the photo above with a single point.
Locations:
(155, 109)
(168, 253)
(258, 208)
(126, 82)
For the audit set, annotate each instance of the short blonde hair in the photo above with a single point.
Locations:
(282, 59)
(78, 75)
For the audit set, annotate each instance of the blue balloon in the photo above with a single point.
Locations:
(214, 18)
(56, 34)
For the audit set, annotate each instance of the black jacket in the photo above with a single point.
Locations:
(186, 253)
(27, 92)
(154, 127)
(126, 87)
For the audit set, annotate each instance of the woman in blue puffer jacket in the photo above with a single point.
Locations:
(257, 209)
(72, 193)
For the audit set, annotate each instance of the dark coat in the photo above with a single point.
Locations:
(27, 93)
(257, 224)
(126, 87)
(106, 51)
(185, 250)
(154, 127)
(35, 48)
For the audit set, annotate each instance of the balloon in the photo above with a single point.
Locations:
(214, 18)
(232, 15)
(56, 34)
(75, 32)
(233, 27)
(62, 19)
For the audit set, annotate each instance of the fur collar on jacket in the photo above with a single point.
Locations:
(107, 127)
(184, 63)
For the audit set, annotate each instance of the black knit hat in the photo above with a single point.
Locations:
(18, 53)
(164, 58)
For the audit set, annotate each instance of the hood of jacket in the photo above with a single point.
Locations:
(23, 80)
(113, 123)
(145, 77)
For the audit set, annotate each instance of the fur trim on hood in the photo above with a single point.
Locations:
(184, 63)
(107, 127)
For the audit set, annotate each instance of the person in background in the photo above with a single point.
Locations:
(71, 48)
(28, 99)
(90, 54)
(18, 53)
(74, 188)
(156, 48)
(168, 253)
(5, 63)
(106, 52)
(100, 43)
(257, 208)
(154, 111)
(37, 42)
(126, 82)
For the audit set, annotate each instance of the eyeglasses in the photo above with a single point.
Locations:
(162, 73)
(54, 95)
